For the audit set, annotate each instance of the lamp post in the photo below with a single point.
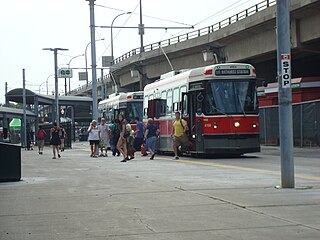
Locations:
(40, 86)
(112, 31)
(69, 67)
(85, 56)
(55, 53)
(47, 83)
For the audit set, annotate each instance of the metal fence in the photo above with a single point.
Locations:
(306, 124)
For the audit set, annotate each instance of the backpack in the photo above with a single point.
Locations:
(115, 131)
(41, 134)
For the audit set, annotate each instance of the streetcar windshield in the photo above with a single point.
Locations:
(231, 97)
(133, 110)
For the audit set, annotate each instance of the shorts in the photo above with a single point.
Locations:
(104, 143)
(41, 143)
(151, 144)
(178, 141)
(94, 142)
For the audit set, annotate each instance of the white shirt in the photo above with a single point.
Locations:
(93, 133)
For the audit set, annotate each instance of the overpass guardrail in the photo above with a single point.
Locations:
(200, 32)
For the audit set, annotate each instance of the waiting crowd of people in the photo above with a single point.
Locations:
(120, 136)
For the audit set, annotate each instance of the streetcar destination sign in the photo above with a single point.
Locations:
(226, 72)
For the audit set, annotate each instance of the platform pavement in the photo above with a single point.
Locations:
(78, 197)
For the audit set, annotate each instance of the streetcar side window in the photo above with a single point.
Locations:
(169, 101)
(183, 89)
(163, 110)
(145, 106)
(176, 99)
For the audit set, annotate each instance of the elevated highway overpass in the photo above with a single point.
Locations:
(249, 36)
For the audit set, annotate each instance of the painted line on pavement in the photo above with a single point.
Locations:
(301, 176)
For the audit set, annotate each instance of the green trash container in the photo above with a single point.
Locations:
(10, 162)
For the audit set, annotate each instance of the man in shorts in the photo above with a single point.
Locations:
(179, 134)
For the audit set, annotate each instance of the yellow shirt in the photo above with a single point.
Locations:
(178, 129)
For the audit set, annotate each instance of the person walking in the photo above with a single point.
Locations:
(55, 140)
(150, 136)
(179, 135)
(104, 142)
(63, 135)
(41, 134)
(130, 139)
(138, 135)
(94, 137)
(122, 142)
(114, 135)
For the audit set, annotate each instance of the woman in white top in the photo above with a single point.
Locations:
(94, 137)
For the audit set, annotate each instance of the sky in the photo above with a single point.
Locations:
(29, 26)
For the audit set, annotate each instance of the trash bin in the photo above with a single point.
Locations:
(10, 162)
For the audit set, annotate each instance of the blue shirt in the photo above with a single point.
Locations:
(140, 128)
(152, 131)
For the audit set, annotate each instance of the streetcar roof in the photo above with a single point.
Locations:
(119, 97)
(225, 71)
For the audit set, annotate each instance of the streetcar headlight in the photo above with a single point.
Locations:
(236, 124)
(254, 125)
(215, 125)
(193, 136)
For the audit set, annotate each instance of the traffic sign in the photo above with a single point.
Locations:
(65, 73)
(286, 70)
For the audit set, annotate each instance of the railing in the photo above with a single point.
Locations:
(191, 35)
(200, 32)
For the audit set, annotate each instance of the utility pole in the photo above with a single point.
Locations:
(65, 86)
(56, 86)
(93, 62)
(285, 94)
(141, 29)
(24, 101)
(6, 91)
(103, 95)
(55, 53)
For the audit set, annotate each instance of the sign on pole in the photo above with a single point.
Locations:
(83, 76)
(107, 61)
(286, 70)
(65, 73)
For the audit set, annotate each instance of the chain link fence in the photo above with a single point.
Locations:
(306, 124)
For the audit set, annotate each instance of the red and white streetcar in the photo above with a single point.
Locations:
(129, 104)
(219, 102)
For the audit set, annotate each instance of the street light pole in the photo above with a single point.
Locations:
(112, 31)
(40, 86)
(93, 62)
(141, 30)
(55, 52)
(85, 56)
(47, 83)
(69, 67)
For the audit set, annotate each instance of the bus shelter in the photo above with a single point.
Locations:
(78, 109)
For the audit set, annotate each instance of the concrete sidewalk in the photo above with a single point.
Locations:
(78, 197)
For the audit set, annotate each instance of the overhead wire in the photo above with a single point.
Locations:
(119, 30)
(148, 16)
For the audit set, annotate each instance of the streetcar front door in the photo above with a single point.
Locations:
(192, 106)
